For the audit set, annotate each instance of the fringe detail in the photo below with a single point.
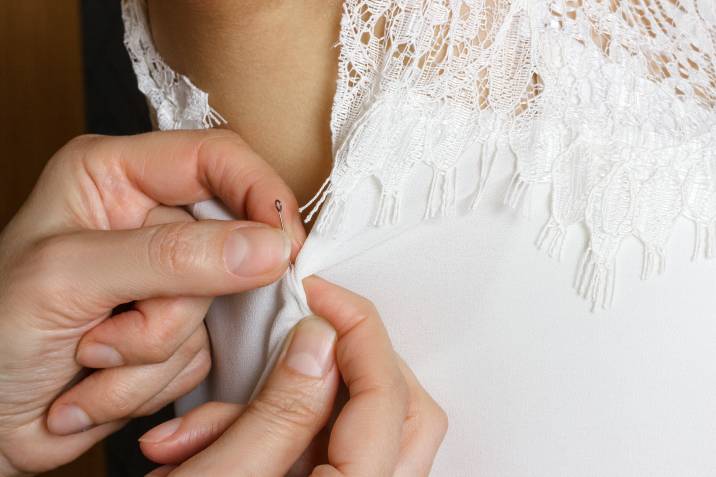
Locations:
(705, 241)
(595, 280)
(488, 153)
(320, 196)
(517, 189)
(535, 68)
(654, 261)
(330, 220)
(213, 119)
(441, 198)
(388, 209)
(556, 233)
(177, 102)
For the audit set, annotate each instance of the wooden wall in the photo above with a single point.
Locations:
(41, 90)
(41, 107)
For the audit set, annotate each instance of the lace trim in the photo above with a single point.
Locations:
(609, 102)
(177, 103)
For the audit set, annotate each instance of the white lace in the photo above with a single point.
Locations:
(611, 102)
(176, 102)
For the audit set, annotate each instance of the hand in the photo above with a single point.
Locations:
(389, 427)
(102, 228)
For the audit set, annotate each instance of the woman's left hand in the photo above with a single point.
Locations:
(390, 426)
(103, 228)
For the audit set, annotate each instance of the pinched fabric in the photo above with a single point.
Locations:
(611, 103)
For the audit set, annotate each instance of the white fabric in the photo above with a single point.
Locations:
(602, 112)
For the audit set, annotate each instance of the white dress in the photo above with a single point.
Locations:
(466, 131)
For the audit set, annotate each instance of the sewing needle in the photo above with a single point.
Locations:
(279, 209)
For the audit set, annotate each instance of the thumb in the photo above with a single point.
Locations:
(274, 430)
(204, 258)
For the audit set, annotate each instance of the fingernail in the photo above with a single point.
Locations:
(162, 432)
(252, 251)
(298, 232)
(311, 349)
(68, 419)
(98, 355)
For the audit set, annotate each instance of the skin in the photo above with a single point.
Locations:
(269, 68)
(399, 440)
(104, 227)
(100, 229)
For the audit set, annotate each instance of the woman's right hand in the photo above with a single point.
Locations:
(390, 426)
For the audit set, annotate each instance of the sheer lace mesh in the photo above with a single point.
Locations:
(176, 102)
(609, 102)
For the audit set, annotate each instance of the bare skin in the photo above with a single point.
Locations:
(269, 67)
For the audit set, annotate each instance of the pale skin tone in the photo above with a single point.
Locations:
(269, 68)
(105, 226)
(102, 228)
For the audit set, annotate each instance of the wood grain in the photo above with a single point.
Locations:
(41, 90)
(41, 107)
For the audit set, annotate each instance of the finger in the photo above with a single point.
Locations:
(187, 380)
(162, 214)
(132, 174)
(423, 431)
(116, 393)
(366, 436)
(162, 471)
(157, 326)
(275, 428)
(36, 450)
(175, 441)
(204, 258)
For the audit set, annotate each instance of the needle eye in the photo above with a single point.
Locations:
(279, 209)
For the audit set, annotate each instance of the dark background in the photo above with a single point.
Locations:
(65, 72)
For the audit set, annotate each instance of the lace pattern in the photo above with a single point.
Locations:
(608, 102)
(176, 102)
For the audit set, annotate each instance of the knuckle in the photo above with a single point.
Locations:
(80, 143)
(396, 395)
(399, 387)
(216, 140)
(50, 252)
(195, 343)
(218, 153)
(164, 340)
(288, 409)
(400, 393)
(365, 309)
(393, 395)
(83, 140)
(440, 419)
(74, 151)
(221, 146)
(201, 366)
(172, 251)
(158, 349)
(45, 264)
(119, 401)
(174, 308)
(359, 309)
